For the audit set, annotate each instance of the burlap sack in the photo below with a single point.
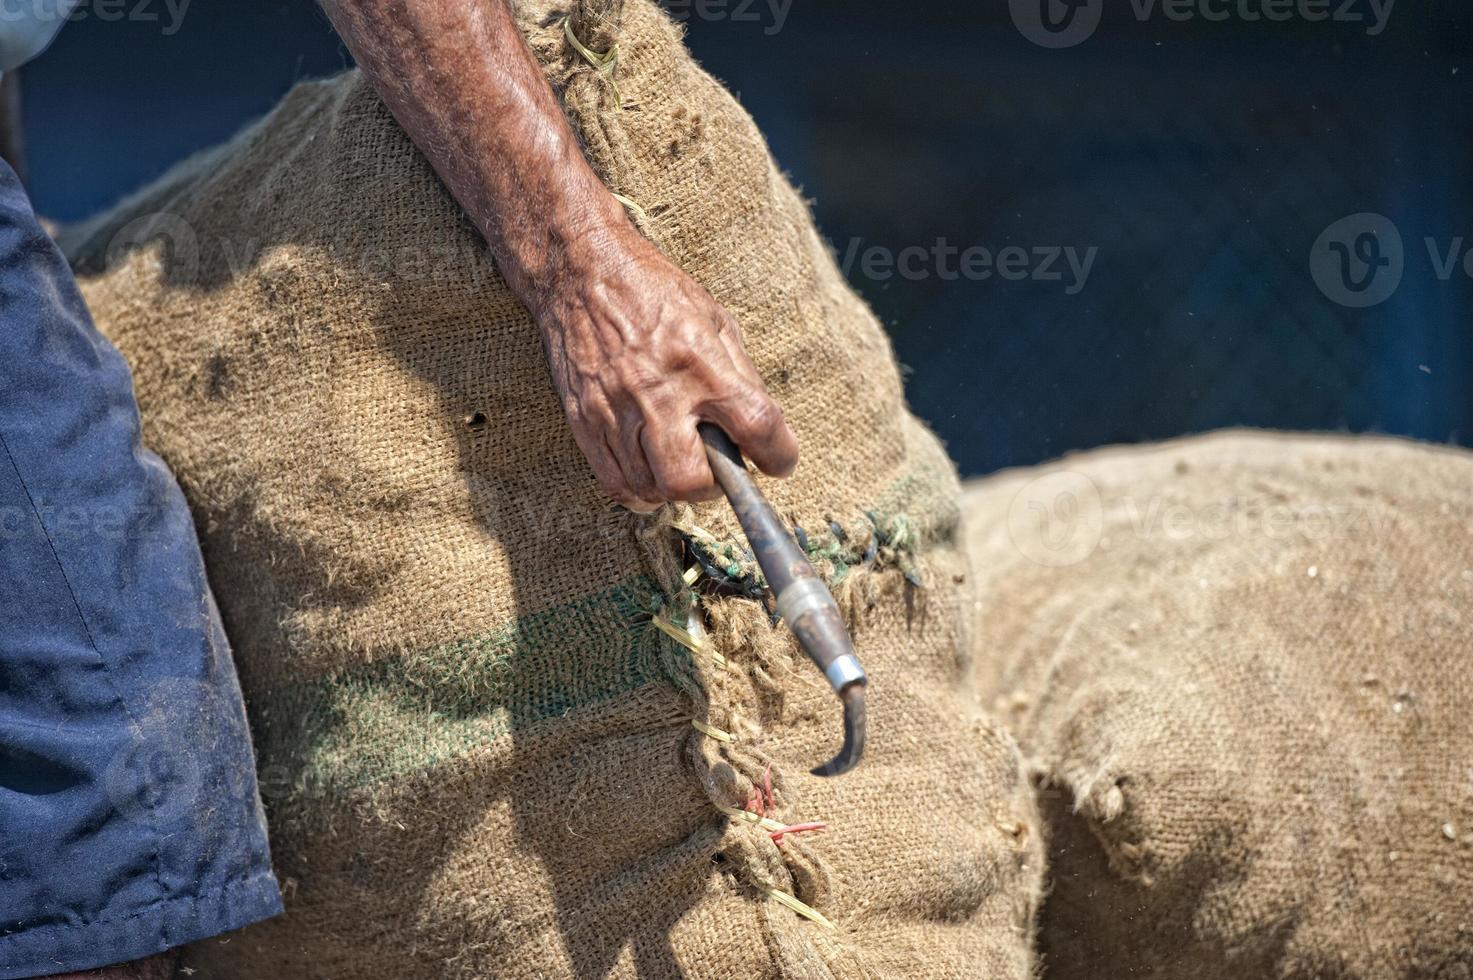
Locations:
(1242, 663)
(476, 745)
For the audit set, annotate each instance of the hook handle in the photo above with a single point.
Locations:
(803, 601)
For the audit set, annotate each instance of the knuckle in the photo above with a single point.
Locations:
(682, 357)
(758, 413)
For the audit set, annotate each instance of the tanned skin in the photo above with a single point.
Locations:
(639, 352)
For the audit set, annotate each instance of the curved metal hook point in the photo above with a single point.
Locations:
(854, 730)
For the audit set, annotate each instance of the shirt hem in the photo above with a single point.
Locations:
(67, 947)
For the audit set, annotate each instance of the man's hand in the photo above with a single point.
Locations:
(639, 352)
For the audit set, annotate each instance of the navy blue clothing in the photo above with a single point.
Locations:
(129, 817)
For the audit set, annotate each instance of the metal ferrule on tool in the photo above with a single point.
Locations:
(803, 601)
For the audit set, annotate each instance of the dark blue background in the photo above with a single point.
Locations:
(1201, 159)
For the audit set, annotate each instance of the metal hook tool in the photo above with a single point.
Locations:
(802, 598)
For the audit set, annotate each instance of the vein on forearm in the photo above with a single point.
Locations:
(460, 79)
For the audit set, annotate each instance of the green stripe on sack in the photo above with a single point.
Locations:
(410, 713)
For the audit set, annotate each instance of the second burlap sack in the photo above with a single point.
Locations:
(1243, 666)
(478, 742)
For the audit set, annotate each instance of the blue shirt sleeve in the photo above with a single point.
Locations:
(28, 26)
(129, 817)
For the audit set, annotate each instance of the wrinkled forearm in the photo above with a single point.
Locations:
(638, 351)
(460, 79)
